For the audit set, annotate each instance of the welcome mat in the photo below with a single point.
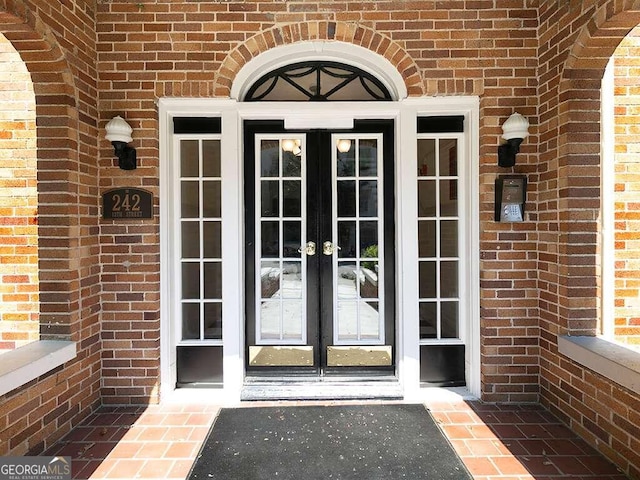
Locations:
(385, 442)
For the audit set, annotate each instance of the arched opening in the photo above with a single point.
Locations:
(19, 284)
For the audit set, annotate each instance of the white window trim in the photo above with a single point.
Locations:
(22, 365)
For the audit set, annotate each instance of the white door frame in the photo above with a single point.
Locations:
(316, 115)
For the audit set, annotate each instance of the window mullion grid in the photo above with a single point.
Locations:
(358, 239)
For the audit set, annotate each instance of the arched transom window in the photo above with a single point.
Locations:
(318, 81)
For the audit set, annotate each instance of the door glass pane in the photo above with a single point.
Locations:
(291, 164)
(212, 280)
(212, 239)
(449, 238)
(270, 198)
(369, 280)
(450, 320)
(190, 196)
(448, 198)
(292, 201)
(428, 320)
(270, 239)
(211, 158)
(190, 281)
(190, 321)
(346, 198)
(189, 158)
(347, 239)
(270, 280)
(347, 320)
(448, 157)
(292, 320)
(211, 199)
(426, 157)
(292, 280)
(449, 279)
(368, 149)
(347, 280)
(427, 238)
(426, 198)
(369, 321)
(368, 198)
(270, 317)
(269, 158)
(292, 232)
(190, 240)
(368, 236)
(427, 279)
(346, 163)
(213, 321)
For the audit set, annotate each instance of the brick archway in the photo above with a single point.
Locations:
(57, 168)
(578, 168)
(326, 31)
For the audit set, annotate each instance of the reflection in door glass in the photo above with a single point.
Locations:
(357, 229)
(280, 312)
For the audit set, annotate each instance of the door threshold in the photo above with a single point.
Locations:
(321, 389)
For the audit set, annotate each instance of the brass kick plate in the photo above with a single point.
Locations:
(366, 356)
(281, 356)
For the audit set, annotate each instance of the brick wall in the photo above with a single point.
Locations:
(627, 189)
(148, 50)
(56, 41)
(18, 204)
(576, 41)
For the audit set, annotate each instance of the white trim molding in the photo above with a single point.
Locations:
(24, 364)
(614, 361)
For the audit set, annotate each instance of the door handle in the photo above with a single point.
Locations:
(329, 248)
(309, 249)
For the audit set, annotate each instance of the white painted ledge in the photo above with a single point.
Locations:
(27, 363)
(612, 360)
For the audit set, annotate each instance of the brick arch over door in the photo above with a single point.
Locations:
(338, 31)
(57, 165)
(578, 168)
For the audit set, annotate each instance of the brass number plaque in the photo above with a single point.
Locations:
(127, 203)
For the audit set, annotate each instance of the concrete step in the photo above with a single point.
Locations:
(261, 389)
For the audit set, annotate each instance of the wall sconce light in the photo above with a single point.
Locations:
(119, 134)
(515, 129)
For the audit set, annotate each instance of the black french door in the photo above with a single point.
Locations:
(319, 244)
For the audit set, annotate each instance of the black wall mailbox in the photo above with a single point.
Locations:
(127, 203)
(511, 197)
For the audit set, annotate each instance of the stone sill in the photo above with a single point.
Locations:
(609, 359)
(22, 365)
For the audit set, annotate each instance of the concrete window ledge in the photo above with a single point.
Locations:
(27, 363)
(612, 360)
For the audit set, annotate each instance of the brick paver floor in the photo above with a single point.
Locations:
(496, 442)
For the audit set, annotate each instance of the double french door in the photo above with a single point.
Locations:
(319, 230)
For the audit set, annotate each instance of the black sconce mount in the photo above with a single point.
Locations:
(119, 134)
(515, 129)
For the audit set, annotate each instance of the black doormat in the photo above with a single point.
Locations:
(385, 442)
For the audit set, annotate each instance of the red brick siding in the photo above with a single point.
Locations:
(56, 41)
(627, 190)
(186, 49)
(18, 204)
(576, 41)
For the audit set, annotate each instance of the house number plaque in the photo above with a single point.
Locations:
(127, 203)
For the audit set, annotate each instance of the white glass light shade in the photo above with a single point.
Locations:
(516, 126)
(118, 130)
